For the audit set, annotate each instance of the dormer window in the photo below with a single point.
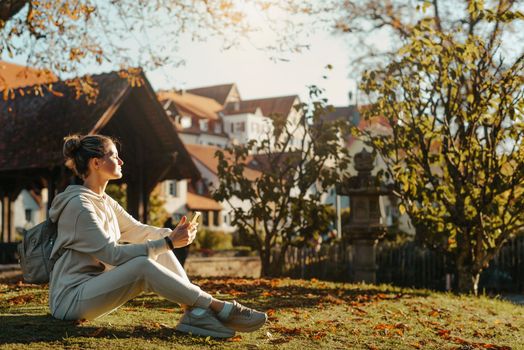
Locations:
(186, 122)
(204, 124)
(200, 187)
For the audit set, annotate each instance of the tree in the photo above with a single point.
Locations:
(284, 202)
(455, 104)
(375, 29)
(66, 36)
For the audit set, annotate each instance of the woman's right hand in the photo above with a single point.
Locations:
(183, 234)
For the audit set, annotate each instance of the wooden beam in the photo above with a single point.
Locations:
(10, 220)
(159, 169)
(52, 178)
(108, 114)
(136, 184)
(8, 195)
(3, 215)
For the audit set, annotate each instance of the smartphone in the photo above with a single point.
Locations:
(195, 217)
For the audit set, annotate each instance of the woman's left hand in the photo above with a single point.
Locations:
(184, 233)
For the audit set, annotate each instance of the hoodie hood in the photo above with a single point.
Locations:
(72, 191)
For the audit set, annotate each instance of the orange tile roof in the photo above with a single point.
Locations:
(282, 105)
(197, 202)
(206, 155)
(14, 76)
(249, 109)
(219, 93)
(194, 105)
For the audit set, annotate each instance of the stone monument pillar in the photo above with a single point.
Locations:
(366, 220)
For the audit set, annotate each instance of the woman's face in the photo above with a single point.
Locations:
(110, 165)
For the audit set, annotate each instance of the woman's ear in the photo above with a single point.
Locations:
(94, 162)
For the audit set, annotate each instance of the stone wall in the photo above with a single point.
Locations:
(223, 266)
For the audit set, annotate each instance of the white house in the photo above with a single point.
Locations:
(245, 125)
(196, 118)
(29, 209)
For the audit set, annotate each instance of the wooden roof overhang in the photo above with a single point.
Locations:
(32, 129)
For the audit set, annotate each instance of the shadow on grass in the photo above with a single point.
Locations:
(264, 295)
(23, 329)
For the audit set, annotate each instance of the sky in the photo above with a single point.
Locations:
(254, 71)
(257, 75)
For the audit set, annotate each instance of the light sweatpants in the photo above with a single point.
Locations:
(104, 293)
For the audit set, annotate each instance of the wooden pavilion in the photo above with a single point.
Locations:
(32, 129)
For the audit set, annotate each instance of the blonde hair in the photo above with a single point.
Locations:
(79, 149)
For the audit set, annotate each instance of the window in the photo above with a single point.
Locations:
(204, 124)
(200, 187)
(205, 218)
(186, 122)
(232, 127)
(389, 216)
(173, 188)
(216, 214)
(28, 215)
(218, 128)
(240, 126)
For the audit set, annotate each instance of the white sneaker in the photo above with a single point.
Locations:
(205, 325)
(244, 319)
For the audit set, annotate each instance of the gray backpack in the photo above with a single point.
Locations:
(35, 251)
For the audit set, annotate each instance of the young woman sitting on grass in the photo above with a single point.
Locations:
(96, 273)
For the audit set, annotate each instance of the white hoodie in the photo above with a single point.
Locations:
(91, 228)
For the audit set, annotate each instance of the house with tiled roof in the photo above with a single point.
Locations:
(253, 119)
(196, 118)
(213, 117)
(217, 116)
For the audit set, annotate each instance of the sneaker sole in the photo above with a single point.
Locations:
(251, 328)
(203, 332)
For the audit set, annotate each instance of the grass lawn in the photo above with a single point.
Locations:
(303, 315)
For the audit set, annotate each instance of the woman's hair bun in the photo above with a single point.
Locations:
(71, 146)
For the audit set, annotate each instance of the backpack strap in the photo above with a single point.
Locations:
(61, 251)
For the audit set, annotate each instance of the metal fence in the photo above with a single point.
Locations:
(408, 265)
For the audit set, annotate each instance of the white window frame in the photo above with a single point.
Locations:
(173, 188)
(203, 124)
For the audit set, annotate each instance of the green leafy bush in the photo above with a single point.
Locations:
(215, 240)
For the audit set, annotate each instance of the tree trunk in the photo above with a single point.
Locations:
(272, 263)
(468, 280)
(277, 264)
(265, 261)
